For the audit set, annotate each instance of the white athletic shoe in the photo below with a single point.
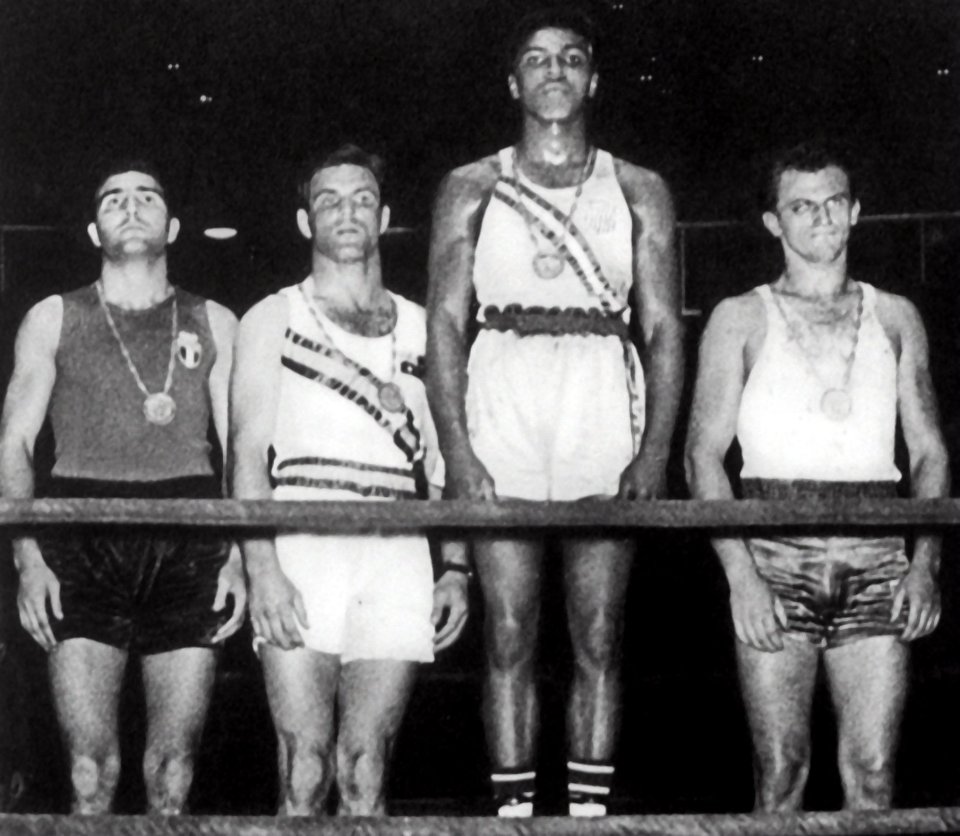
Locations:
(516, 810)
(587, 809)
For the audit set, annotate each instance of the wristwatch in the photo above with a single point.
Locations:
(462, 568)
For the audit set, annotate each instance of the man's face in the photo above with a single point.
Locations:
(344, 218)
(814, 214)
(553, 76)
(132, 216)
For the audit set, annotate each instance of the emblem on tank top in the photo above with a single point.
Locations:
(189, 349)
(598, 216)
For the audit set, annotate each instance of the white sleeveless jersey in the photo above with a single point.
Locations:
(782, 430)
(331, 432)
(598, 248)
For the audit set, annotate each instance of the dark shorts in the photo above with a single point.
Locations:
(835, 589)
(145, 589)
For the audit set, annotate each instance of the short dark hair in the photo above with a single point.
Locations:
(119, 165)
(810, 156)
(347, 154)
(571, 18)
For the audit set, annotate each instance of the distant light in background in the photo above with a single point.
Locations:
(175, 65)
(205, 99)
(943, 71)
(220, 233)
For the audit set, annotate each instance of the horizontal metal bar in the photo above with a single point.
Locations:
(408, 515)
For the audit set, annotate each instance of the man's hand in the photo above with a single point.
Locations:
(758, 614)
(38, 585)
(276, 608)
(450, 608)
(231, 584)
(471, 480)
(920, 592)
(642, 479)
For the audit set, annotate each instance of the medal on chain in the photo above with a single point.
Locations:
(159, 408)
(549, 264)
(389, 393)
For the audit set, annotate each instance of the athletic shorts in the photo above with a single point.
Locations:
(550, 416)
(146, 589)
(836, 589)
(366, 597)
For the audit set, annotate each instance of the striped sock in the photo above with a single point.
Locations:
(588, 787)
(513, 791)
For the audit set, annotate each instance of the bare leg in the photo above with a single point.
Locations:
(510, 574)
(868, 684)
(373, 698)
(778, 693)
(86, 677)
(302, 691)
(177, 686)
(595, 575)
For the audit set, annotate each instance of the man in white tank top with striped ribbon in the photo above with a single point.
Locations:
(810, 374)
(551, 237)
(329, 404)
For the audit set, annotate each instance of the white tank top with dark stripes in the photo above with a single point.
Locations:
(784, 433)
(327, 438)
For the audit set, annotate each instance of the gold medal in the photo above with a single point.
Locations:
(391, 397)
(548, 265)
(836, 404)
(159, 408)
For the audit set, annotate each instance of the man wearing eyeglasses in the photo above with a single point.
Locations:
(810, 374)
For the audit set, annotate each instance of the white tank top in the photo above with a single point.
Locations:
(598, 269)
(324, 438)
(782, 430)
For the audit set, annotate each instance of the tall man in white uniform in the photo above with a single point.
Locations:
(551, 237)
(330, 405)
(810, 374)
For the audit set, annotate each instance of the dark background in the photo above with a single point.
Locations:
(230, 96)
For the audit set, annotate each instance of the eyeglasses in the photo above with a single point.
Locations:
(803, 208)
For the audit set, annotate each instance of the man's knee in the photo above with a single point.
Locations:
(511, 639)
(361, 772)
(94, 778)
(168, 774)
(597, 640)
(867, 777)
(782, 775)
(307, 770)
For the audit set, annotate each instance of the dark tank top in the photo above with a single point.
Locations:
(96, 406)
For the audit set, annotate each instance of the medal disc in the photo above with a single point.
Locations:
(159, 408)
(391, 398)
(836, 404)
(548, 265)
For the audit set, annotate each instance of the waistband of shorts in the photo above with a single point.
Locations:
(815, 489)
(554, 322)
(184, 487)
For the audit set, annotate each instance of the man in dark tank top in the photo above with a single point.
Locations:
(131, 371)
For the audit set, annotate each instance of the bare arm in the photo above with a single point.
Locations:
(929, 468)
(230, 583)
(275, 605)
(657, 288)
(24, 411)
(456, 222)
(713, 422)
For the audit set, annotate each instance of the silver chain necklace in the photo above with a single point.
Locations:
(158, 407)
(548, 264)
(836, 402)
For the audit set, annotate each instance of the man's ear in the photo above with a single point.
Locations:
(173, 230)
(93, 234)
(384, 219)
(855, 213)
(514, 87)
(592, 89)
(303, 224)
(772, 223)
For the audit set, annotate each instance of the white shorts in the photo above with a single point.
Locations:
(366, 597)
(550, 417)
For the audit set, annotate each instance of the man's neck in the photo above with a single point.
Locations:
(815, 281)
(137, 284)
(552, 150)
(355, 285)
